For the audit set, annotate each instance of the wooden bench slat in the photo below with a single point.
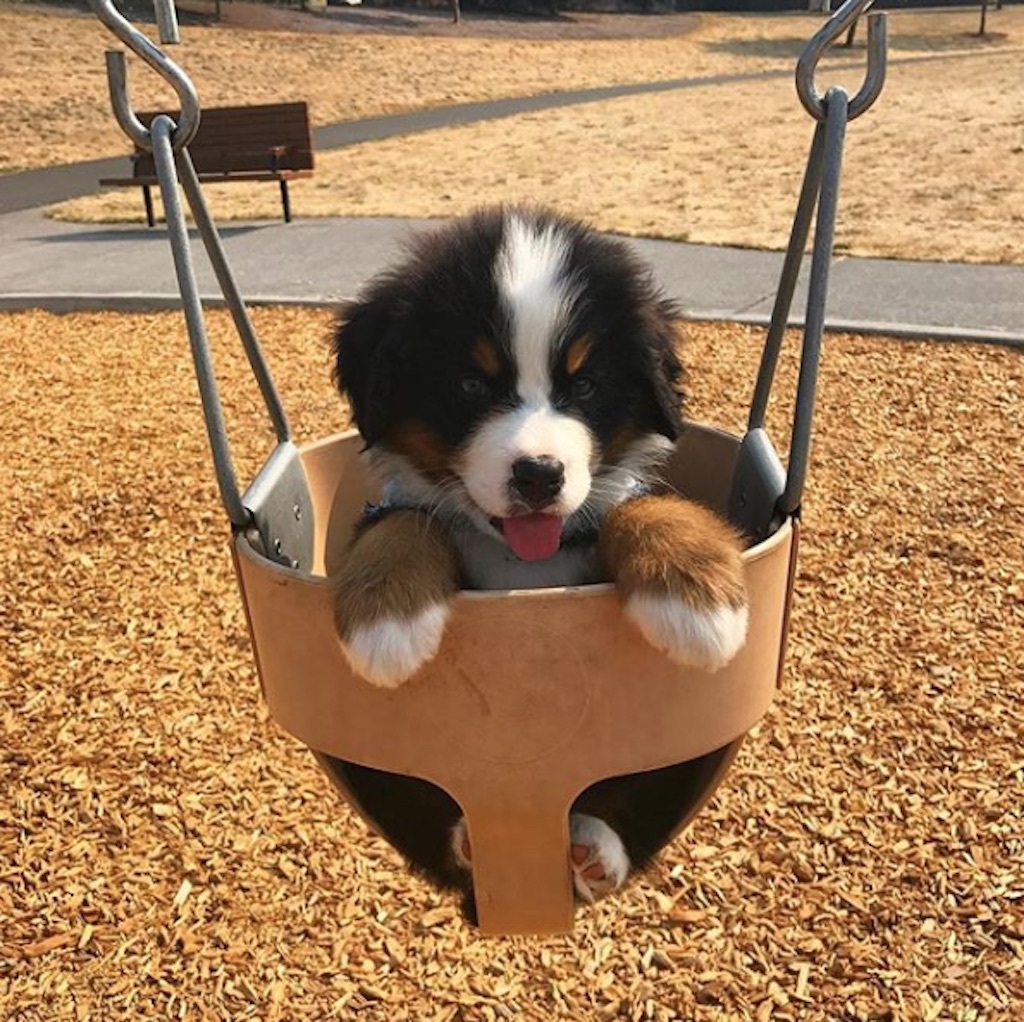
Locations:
(209, 133)
(212, 163)
(214, 178)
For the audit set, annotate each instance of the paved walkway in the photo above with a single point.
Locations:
(323, 260)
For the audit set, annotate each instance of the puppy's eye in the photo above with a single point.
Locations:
(474, 388)
(583, 388)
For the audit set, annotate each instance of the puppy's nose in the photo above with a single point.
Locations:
(538, 480)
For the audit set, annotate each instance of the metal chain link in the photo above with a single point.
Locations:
(874, 78)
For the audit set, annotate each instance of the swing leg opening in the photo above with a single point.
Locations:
(647, 810)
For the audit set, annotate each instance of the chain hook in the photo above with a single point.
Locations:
(117, 77)
(841, 20)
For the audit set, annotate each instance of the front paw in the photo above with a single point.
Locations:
(393, 595)
(706, 639)
(679, 570)
(389, 651)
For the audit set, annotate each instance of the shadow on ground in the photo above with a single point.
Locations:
(944, 44)
(409, 20)
(140, 233)
(790, 47)
(507, 25)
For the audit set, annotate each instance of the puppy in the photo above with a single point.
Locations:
(516, 383)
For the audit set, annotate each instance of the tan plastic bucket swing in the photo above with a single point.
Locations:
(535, 695)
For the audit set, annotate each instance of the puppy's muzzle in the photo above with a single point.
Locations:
(538, 481)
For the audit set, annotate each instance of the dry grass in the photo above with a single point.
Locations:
(706, 166)
(935, 171)
(343, 77)
(168, 853)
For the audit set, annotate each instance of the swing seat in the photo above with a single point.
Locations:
(534, 695)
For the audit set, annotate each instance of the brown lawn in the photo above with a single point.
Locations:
(53, 96)
(934, 171)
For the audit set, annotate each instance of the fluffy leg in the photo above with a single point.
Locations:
(678, 571)
(393, 596)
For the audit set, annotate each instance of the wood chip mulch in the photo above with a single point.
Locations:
(166, 852)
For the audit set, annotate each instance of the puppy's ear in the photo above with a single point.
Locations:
(663, 369)
(367, 352)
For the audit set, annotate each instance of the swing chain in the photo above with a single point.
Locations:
(763, 492)
(117, 76)
(275, 511)
(878, 38)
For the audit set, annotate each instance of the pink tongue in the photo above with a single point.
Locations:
(533, 537)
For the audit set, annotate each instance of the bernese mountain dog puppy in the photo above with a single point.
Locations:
(517, 386)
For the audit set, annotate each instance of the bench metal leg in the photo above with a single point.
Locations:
(147, 198)
(286, 205)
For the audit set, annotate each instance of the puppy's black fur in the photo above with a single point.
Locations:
(404, 347)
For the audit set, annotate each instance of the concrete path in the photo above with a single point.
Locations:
(63, 266)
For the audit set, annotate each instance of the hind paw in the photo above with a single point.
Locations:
(599, 859)
(597, 855)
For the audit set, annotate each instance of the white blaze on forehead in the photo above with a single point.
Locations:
(538, 294)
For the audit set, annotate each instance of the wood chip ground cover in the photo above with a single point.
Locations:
(166, 852)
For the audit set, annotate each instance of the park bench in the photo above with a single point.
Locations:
(266, 142)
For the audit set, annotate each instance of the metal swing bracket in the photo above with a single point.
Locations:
(764, 493)
(275, 513)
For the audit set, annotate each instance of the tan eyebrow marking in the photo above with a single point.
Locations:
(423, 447)
(485, 356)
(577, 352)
